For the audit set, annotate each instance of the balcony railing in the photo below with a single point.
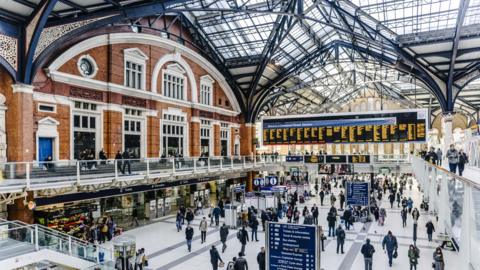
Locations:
(455, 200)
(27, 238)
(21, 176)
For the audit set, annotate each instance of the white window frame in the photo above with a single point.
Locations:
(92, 61)
(175, 70)
(54, 106)
(207, 124)
(136, 56)
(225, 128)
(176, 113)
(206, 81)
(143, 129)
(98, 127)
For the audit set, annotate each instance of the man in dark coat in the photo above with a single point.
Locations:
(223, 236)
(214, 257)
(261, 259)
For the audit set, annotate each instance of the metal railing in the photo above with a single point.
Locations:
(455, 200)
(21, 176)
(34, 237)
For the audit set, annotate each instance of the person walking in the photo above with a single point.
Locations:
(203, 229)
(462, 160)
(391, 198)
(223, 236)
(254, 225)
(403, 213)
(430, 230)
(118, 160)
(126, 162)
(242, 236)
(178, 220)
(189, 216)
(189, 236)
(261, 259)
(347, 215)
(367, 251)
(438, 261)
(215, 257)
(452, 156)
(413, 255)
(331, 219)
(315, 214)
(439, 157)
(341, 196)
(415, 214)
(216, 215)
(340, 238)
(240, 263)
(391, 245)
(322, 196)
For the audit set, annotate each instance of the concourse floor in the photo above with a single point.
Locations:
(166, 248)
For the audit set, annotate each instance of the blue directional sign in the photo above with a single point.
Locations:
(294, 158)
(357, 193)
(292, 247)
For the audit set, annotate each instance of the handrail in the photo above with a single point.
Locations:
(452, 175)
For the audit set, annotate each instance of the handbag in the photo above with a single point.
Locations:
(395, 254)
(221, 264)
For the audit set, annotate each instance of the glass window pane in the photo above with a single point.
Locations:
(84, 121)
(92, 122)
(76, 120)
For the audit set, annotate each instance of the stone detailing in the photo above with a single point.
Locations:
(9, 50)
(50, 34)
(133, 101)
(86, 93)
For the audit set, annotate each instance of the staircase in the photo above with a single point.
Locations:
(24, 244)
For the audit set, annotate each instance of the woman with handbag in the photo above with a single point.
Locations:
(215, 258)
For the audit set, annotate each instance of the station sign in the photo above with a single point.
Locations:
(336, 159)
(314, 159)
(294, 158)
(358, 193)
(292, 246)
(358, 159)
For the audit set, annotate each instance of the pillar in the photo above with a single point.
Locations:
(447, 129)
(249, 183)
(247, 133)
(153, 136)
(20, 137)
(217, 148)
(113, 132)
(195, 137)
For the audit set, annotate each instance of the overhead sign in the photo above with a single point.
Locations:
(382, 126)
(292, 246)
(358, 193)
(259, 182)
(336, 159)
(314, 159)
(294, 158)
(271, 180)
(358, 159)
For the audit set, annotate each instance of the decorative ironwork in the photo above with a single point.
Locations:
(9, 50)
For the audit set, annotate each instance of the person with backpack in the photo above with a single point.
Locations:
(261, 259)
(215, 257)
(223, 236)
(430, 230)
(189, 236)
(332, 220)
(242, 236)
(462, 160)
(367, 251)
(189, 216)
(413, 255)
(390, 243)
(240, 263)
(438, 260)
(333, 199)
(340, 238)
(203, 229)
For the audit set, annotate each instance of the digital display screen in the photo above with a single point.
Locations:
(395, 126)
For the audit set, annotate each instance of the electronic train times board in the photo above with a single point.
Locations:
(371, 127)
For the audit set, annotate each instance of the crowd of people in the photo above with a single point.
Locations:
(456, 158)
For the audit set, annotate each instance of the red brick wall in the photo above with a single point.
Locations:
(112, 130)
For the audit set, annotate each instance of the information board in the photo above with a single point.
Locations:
(382, 126)
(292, 246)
(358, 193)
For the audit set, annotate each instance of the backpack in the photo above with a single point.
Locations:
(105, 228)
(239, 235)
(230, 266)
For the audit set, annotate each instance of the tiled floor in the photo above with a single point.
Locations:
(166, 247)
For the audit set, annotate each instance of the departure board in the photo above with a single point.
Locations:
(376, 127)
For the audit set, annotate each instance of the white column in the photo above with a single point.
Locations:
(447, 131)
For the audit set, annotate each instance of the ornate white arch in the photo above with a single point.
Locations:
(147, 39)
(177, 58)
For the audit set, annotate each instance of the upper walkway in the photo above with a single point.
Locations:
(19, 177)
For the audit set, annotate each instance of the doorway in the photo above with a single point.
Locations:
(45, 148)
